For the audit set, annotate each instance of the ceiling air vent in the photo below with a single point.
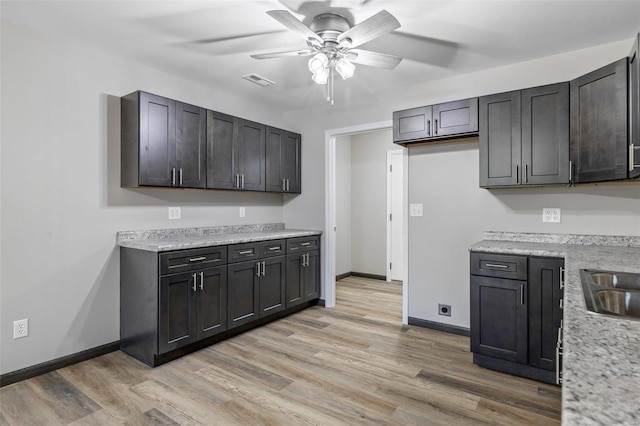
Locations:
(259, 80)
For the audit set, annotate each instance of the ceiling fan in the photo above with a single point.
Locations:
(332, 41)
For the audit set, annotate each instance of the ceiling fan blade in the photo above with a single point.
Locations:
(379, 24)
(288, 20)
(307, 52)
(374, 59)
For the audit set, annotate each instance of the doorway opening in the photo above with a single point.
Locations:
(369, 178)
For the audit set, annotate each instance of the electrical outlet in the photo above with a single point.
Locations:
(21, 328)
(175, 213)
(551, 215)
(415, 210)
(444, 310)
(242, 212)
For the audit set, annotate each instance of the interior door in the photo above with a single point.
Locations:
(396, 216)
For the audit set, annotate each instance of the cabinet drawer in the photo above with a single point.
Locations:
(242, 252)
(272, 248)
(295, 245)
(186, 260)
(499, 265)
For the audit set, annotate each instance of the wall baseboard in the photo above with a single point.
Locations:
(453, 329)
(341, 276)
(49, 366)
(370, 276)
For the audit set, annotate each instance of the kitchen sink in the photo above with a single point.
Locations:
(612, 293)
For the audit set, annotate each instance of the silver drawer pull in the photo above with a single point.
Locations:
(305, 244)
(493, 265)
(274, 248)
(246, 252)
(197, 259)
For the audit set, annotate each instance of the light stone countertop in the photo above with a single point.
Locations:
(601, 355)
(159, 240)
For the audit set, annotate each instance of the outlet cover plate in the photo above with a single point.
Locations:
(415, 210)
(21, 328)
(551, 215)
(242, 212)
(175, 213)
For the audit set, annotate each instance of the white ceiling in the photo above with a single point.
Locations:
(210, 41)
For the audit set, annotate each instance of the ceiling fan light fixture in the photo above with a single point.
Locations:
(345, 68)
(321, 76)
(318, 62)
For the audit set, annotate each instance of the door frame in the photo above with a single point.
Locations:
(329, 246)
(391, 153)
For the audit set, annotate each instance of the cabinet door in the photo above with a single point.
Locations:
(311, 272)
(242, 292)
(177, 314)
(272, 285)
(249, 153)
(291, 145)
(545, 134)
(191, 146)
(295, 280)
(212, 301)
(634, 110)
(157, 157)
(499, 318)
(544, 311)
(453, 118)
(599, 117)
(221, 134)
(500, 139)
(274, 180)
(412, 124)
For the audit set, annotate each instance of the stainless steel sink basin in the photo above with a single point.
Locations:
(622, 280)
(625, 303)
(612, 293)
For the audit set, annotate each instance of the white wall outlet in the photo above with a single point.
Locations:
(21, 328)
(551, 215)
(415, 210)
(242, 212)
(175, 213)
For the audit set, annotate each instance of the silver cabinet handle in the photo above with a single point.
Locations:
(258, 269)
(274, 248)
(435, 128)
(303, 260)
(632, 157)
(246, 252)
(242, 181)
(201, 280)
(287, 185)
(197, 259)
(284, 185)
(570, 170)
(522, 294)
(180, 176)
(237, 181)
(263, 268)
(517, 173)
(305, 244)
(494, 265)
(561, 303)
(561, 278)
(558, 354)
(428, 127)
(173, 176)
(195, 279)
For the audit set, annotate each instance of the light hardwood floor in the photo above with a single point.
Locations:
(354, 363)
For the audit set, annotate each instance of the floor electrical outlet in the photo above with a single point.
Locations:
(21, 328)
(551, 215)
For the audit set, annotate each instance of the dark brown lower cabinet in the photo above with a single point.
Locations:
(243, 293)
(516, 323)
(303, 277)
(272, 285)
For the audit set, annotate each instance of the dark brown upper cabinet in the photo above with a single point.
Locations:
(282, 161)
(634, 110)
(524, 137)
(163, 142)
(599, 124)
(249, 156)
(441, 121)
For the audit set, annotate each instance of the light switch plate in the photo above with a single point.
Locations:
(175, 213)
(415, 210)
(242, 212)
(551, 215)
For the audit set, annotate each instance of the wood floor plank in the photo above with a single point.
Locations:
(352, 364)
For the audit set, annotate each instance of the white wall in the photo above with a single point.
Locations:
(369, 201)
(446, 176)
(343, 205)
(61, 201)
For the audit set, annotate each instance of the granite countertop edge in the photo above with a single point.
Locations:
(601, 354)
(187, 238)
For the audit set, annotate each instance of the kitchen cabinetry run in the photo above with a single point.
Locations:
(282, 161)
(516, 314)
(163, 142)
(524, 137)
(303, 270)
(634, 109)
(441, 121)
(599, 124)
